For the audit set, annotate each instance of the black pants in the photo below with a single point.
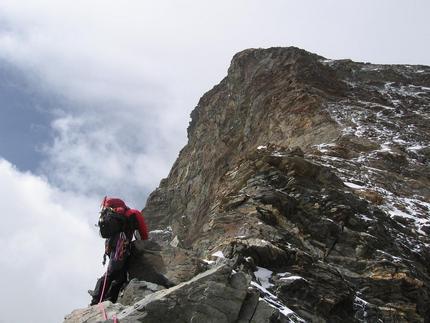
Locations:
(116, 272)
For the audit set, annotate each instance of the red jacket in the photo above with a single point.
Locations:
(141, 225)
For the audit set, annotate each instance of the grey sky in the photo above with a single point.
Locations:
(116, 82)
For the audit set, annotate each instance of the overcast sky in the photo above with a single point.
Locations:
(95, 98)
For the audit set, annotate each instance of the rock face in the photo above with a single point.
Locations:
(213, 296)
(317, 171)
(149, 260)
(303, 195)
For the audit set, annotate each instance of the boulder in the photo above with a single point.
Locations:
(163, 265)
(136, 290)
(213, 296)
(216, 295)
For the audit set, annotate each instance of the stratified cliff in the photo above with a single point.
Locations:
(317, 170)
(303, 195)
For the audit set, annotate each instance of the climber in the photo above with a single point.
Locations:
(118, 224)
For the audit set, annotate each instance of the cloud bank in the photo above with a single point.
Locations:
(50, 248)
(93, 154)
(143, 65)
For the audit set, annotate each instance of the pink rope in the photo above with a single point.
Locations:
(118, 253)
(102, 309)
(120, 247)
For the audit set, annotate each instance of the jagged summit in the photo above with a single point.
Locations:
(311, 177)
(289, 97)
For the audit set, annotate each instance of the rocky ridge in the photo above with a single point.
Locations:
(309, 178)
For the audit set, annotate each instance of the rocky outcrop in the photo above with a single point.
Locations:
(301, 196)
(317, 171)
(219, 294)
(149, 260)
(213, 296)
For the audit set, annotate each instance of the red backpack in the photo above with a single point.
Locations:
(113, 203)
(116, 217)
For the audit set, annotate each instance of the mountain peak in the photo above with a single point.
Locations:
(356, 198)
(311, 177)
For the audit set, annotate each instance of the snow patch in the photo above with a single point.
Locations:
(292, 278)
(278, 154)
(326, 61)
(384, 148)
(393, 258)
(160, 231)
(272, 300)
(364, 217)
(416, 147)
(218, 254)
(360, 307)
(263, 276)
(354, 186)
(324, 147)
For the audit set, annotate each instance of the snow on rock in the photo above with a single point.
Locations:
(218, 254)
(292, 278)
(388, 141)
(355, 186)
(263, 276)
(274, 302)
(361, 124)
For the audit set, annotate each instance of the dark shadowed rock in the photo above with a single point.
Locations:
(162, 265)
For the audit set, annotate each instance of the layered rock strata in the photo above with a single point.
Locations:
(317, 171)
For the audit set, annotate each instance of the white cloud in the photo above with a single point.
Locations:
(133, 70)
(128, 101)
(51, 252)
(93, 154)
